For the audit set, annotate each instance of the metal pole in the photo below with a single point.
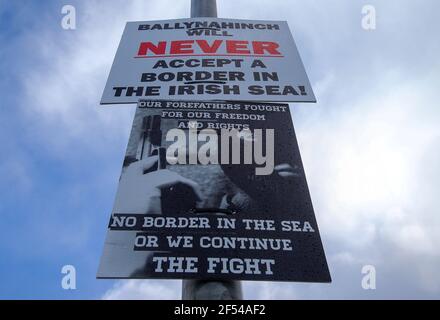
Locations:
(203, 8)
(205, 289)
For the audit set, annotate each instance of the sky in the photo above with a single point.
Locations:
(370, 145)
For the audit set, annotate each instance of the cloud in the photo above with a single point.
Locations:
(368, 192)
(64, 87)
(144, 290)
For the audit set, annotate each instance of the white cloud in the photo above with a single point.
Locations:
(371, 194)
(64, 89)
(144, 290)
(373, 150)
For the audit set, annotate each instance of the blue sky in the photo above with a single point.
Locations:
(370, 145)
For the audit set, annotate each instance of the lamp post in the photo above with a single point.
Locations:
(209, 289)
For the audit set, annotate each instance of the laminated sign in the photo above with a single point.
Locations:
(207, 59)
(213, 190)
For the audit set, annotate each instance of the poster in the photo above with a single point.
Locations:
(213, 190)
(207, 59)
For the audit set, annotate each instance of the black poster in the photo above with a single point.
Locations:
(213, 190)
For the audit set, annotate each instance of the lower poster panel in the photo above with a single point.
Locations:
(213, 190)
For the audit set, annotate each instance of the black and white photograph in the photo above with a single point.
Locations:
(206, 214)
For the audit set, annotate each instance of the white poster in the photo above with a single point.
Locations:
(207, 59)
